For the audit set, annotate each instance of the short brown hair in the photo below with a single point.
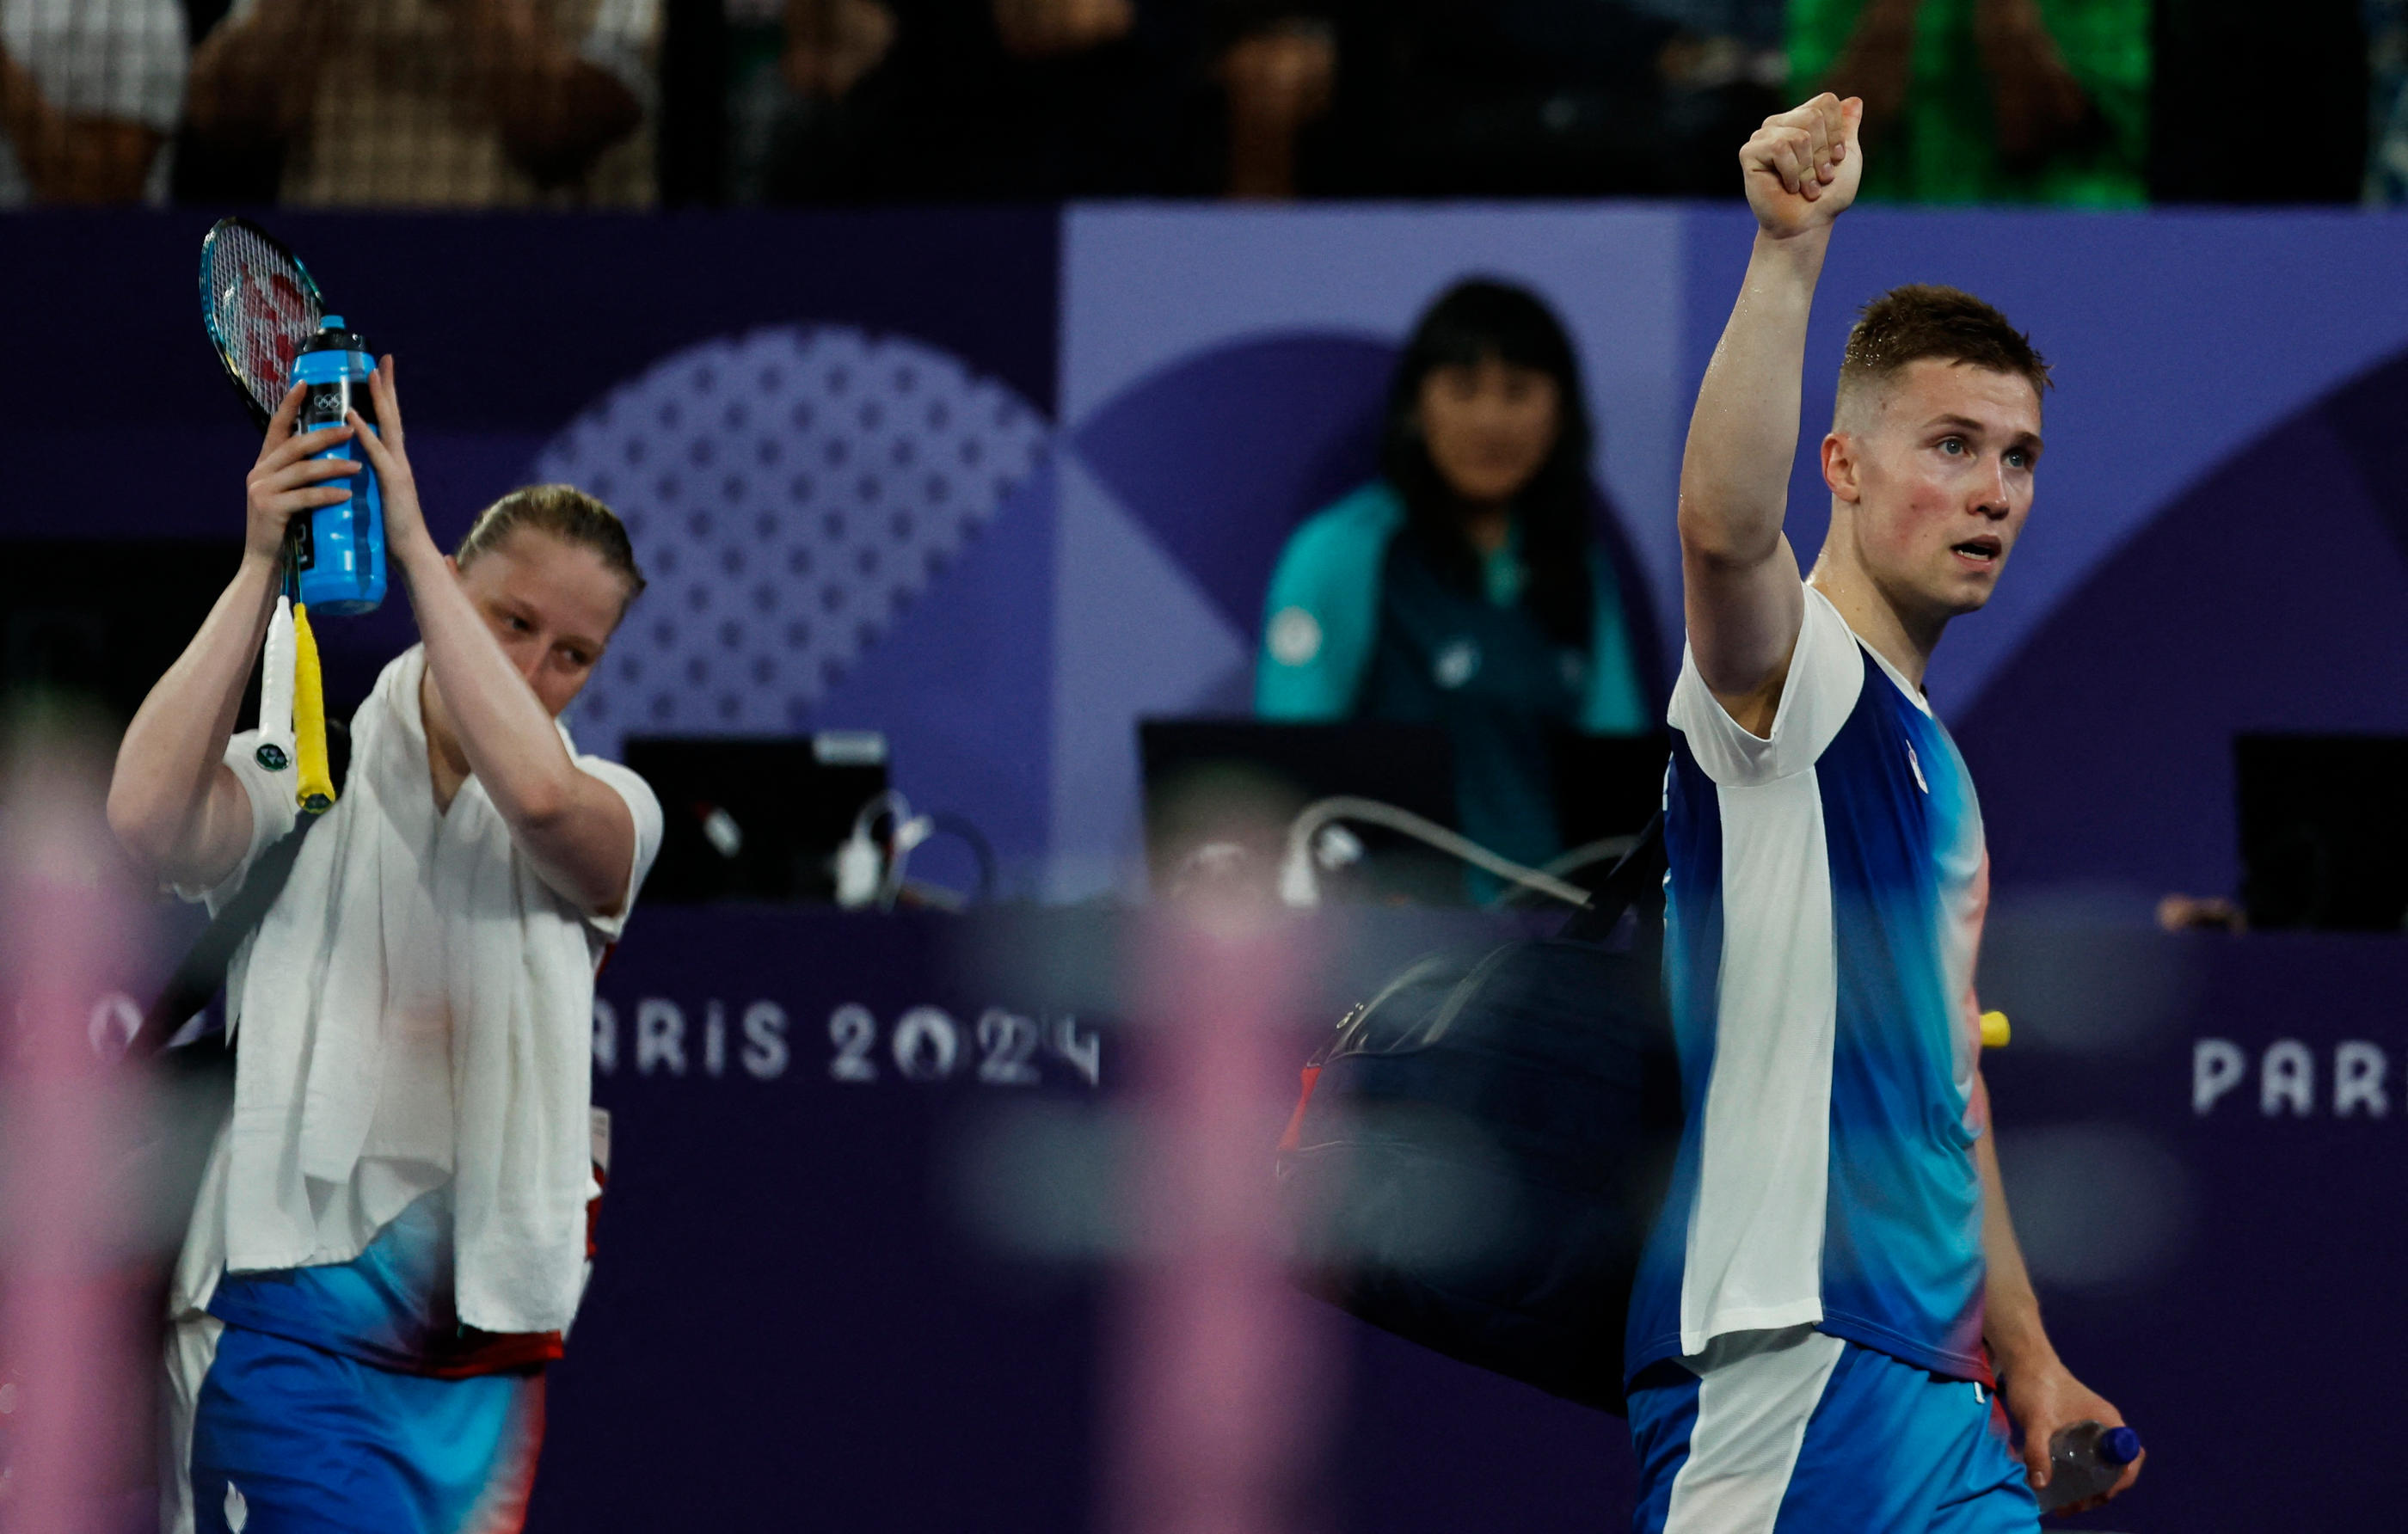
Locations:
(1923, 320)
(565, 511)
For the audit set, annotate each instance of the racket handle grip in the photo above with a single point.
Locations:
(276, 662)
(316, 789)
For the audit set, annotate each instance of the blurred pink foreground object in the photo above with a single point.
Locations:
(77, 1418)
(1222, 1372)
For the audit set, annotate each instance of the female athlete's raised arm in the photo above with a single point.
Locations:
(574, 828)
(172, 801)
(1739, 576)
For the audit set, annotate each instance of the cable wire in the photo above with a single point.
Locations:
(1298, 887)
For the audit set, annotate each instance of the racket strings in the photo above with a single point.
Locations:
(262, 308)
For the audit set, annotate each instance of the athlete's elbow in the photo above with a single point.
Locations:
(540, 807)
(1713, 536)
(140, 826)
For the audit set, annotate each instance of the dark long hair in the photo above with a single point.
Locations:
(1476, 319)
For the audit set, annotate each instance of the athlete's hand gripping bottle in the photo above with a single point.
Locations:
(2085, 1460)
(340, 552)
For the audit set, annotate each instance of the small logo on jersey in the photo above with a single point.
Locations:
(1295, 636)
(1457, 664)
(237, 1511)
(271, 757)
(1916, 763)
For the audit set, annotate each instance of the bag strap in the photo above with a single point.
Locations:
(204, 967)
(1640, 870)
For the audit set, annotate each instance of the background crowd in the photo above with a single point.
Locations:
(633, 103)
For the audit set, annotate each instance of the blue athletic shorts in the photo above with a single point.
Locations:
(1795, 1432)
(288, 1438)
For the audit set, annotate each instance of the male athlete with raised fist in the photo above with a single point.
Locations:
(1834, 1279)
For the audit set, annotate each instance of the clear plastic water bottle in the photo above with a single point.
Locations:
(342, 547)
(2085, 1460)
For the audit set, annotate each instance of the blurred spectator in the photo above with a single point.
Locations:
(1277, 80)
(2387, 60)
(436, 103)
(830, 44)
(1988, 100)
(2200, 913)
(2310, 55)
(1467, 587)
(895, 99)
(1755, 23)
(89, 91)
(1497, 97)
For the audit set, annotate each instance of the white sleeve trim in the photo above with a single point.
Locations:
(1827, 672)
(273, 813)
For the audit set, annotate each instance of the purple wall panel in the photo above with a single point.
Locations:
(1220, 457)
(960, 688)
(2272, 598)
(501, 324)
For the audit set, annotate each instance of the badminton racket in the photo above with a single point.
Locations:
(259, 307)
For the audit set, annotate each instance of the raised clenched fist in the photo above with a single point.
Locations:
(1801, 168)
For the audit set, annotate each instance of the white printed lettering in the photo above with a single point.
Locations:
(853, 1029)
(2359, 1070)
(927, 1045)
(764, 1041)
(660, 1036)
(1085, 1054)
(1008, 1040)
(605, 1036)
(714, 1038)
(2286, 1078)
(2215, 1068)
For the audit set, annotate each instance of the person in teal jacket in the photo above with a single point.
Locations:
(1466, 586)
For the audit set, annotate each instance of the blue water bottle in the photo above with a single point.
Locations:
(341, 548)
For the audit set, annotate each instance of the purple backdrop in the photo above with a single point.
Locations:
(2273, 595)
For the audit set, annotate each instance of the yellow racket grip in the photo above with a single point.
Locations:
(1995, 1032)
(316, 788)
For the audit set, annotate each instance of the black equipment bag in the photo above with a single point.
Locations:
(1481, 1149)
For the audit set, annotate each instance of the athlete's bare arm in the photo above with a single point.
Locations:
(1739, 576)
(573, 826)
(2042, 1395)
(172, 800)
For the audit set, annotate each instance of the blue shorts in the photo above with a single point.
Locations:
(288, 1438)
(1795, 1432)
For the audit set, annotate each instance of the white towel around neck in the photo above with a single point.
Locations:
(517, 973)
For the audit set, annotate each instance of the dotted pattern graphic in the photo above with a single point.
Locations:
(789, 494)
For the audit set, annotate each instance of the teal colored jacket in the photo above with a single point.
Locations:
(1322, 618)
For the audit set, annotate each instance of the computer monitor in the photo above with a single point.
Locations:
(2323, 830)
(756, 819)
(1227, 789)
(1218, 782)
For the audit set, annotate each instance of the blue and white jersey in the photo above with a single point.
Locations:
(1824, 905)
